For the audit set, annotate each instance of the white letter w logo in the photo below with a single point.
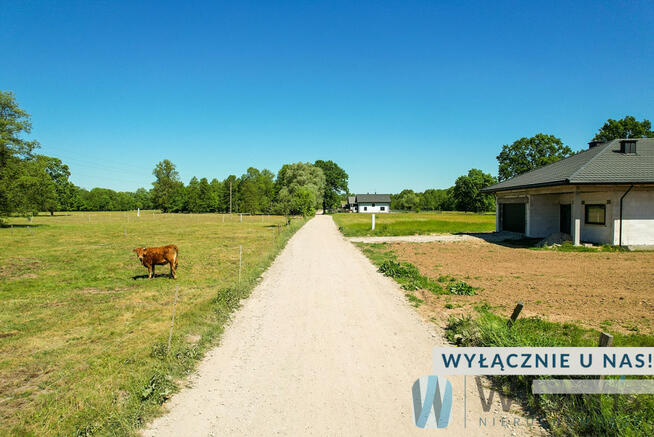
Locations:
(432, 393)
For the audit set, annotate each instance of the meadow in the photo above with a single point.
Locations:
(423, 223)
(84, 334)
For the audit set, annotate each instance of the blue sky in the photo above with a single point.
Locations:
(406, 94)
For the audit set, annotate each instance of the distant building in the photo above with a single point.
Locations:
(602, 195)
(369, 203)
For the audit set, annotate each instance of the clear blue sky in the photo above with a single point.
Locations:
(406, 94)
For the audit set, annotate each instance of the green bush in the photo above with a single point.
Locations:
(461, 288)
(409, 277)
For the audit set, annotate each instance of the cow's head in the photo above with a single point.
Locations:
(140, 252)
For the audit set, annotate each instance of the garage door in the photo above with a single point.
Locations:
(513, 217)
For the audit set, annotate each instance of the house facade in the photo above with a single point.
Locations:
(370, 203)
(603, 195)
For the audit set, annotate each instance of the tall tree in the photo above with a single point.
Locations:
(299, 188)
(143, 198)
(193, 202)
(467, 191)
(527, 154)
(65, 190)
(217, 195)
(15, 150)
(628, 127)
(335, 183)
(166, 187)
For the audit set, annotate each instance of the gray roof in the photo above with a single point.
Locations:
(372, 198)
(602, 164)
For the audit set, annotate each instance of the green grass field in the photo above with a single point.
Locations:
(84, 333)
(357, 225)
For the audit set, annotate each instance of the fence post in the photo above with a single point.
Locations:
(240, 260)
(373, 221)
(605, 340)
(172, 321)
(516, 313)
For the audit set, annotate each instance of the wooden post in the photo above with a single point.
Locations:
(172, 321)
(605, 340)
(373, 221)
(516, 313)
(240, 261)
(241, 217)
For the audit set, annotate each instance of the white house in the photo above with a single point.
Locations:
(602, 195)
(368, 203)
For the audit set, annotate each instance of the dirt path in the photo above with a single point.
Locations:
(443, 238)
(325, 345)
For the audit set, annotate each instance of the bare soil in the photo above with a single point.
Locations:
(595, 289)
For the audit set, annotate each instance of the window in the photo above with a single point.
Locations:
(373, 204)
(382, 208)
(365, 208)
(595, 214)
(628, 146)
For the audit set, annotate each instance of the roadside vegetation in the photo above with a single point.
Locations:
(84, 333)
(409, 277)
(358, 225)
(626, 415)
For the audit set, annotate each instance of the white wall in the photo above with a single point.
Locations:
(543, 212)
(637, 218)
(543, 215)
(375, 209)
(599, 234)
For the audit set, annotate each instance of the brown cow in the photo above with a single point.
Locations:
(158, 256)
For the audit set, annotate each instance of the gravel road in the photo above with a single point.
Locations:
(325, 345)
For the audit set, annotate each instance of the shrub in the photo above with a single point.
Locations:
(461, 288)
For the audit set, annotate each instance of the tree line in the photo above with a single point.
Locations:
(30, 182)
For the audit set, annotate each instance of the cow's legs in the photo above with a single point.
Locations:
(173, 270)
(151, 272)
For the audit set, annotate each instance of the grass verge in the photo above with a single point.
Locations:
(624, 415)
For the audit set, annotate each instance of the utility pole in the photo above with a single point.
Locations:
(230, 197)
